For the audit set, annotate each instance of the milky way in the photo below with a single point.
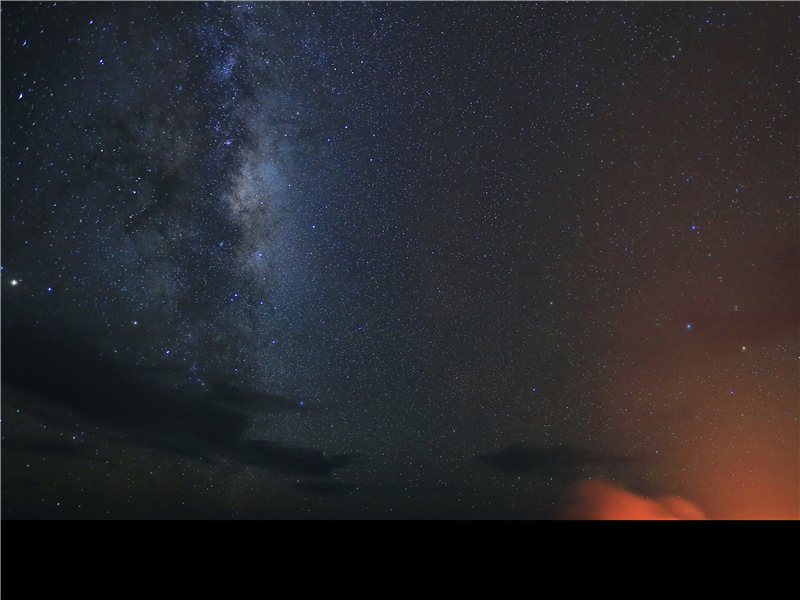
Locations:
(399, 260)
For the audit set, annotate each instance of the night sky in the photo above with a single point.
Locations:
(400, 260)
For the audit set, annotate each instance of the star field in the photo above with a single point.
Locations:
(399, 260)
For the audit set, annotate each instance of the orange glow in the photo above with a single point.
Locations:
(734, 488)
(601, 501)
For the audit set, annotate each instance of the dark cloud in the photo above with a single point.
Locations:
(47, 446)
(326, 488)
(290, 459)
(76, 375)
(525, 458)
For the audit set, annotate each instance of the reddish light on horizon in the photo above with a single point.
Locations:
(601, 501)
